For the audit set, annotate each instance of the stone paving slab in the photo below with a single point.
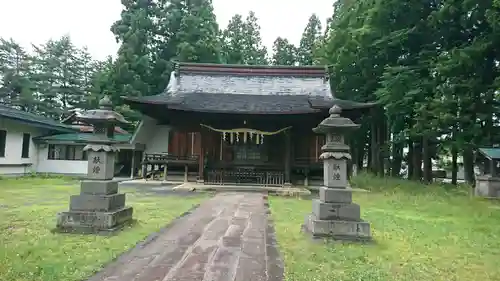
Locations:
(227, 238)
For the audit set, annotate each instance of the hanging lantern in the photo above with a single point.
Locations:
(224, 136)
(261, 139)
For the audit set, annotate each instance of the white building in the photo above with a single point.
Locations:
(34, 144)
(19, 154)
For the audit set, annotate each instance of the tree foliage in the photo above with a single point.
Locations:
(242, 42)
(310, 41)
(284, 52)
(434, 70)
(50, 79)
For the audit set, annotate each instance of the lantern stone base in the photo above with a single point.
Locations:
(337, 229)
(336, 211)
(97, 203)
(93, 222)
(487, 186)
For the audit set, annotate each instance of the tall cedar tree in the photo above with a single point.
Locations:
(311, 38)
(242, 43)
(135, 30)
(198, 35)
(254, 50)
(435, 72)
(16, 84)
(233, 42)
(284, 53)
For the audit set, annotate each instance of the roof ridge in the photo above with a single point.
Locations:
(252, 70)
(228, 65)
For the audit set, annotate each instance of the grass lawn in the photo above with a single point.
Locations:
(421, 233)
(29, 251)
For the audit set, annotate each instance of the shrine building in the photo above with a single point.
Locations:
(237, 124)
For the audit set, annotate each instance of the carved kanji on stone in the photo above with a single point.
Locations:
(99, 207)
(334, 214)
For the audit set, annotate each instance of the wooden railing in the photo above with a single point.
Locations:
(244, 176)
(161, 158)
(154, 164)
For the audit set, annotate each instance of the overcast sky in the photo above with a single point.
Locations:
(88, 21)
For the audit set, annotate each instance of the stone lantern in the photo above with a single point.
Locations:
(334, 214)
(99, 207)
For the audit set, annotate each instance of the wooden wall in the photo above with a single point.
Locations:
(184, 143)
(306, 146)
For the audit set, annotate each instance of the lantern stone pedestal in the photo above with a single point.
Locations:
(99, 208)
(334, 215)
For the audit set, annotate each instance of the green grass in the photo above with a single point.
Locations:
(421, 233)
(29, 251)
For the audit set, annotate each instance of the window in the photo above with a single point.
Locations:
(66, 152)
(248, 153)
(3, 142)
(25, 152)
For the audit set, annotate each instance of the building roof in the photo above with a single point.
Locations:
(490, 153)
(245, 89)
(33, 119)
(80, 137)
(72, 121)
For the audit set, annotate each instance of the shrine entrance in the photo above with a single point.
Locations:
(248, 156)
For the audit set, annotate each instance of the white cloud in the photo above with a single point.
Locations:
(88, 22)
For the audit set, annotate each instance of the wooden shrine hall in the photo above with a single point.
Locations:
(241, 124)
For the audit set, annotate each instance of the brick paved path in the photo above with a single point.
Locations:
(228, 237)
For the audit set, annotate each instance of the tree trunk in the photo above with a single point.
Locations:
(417, 160)
(468, 156)
(374, 147)
(427, 160)
(360, 147)
(397, 159)
(369, 154)
(382, 136)
(409, 159)
(454, 164)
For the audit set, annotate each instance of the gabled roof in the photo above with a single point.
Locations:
(33, 119)
(243, 89)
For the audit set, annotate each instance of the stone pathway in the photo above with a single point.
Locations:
(228, 238)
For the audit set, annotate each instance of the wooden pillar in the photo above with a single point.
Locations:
(288, 156)
(316, 148)
(132, 165)
(165, 171)
(221, 148)
(201, 159)
(306, 180)
(186, 173)
(144, 167)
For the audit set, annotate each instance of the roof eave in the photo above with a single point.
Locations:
(61, 128)
(344, 104)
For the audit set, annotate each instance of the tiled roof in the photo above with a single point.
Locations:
(490, 153)
(247, 89)
(253, 85)
(81, 137)
(33, 119)
(242, 89)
